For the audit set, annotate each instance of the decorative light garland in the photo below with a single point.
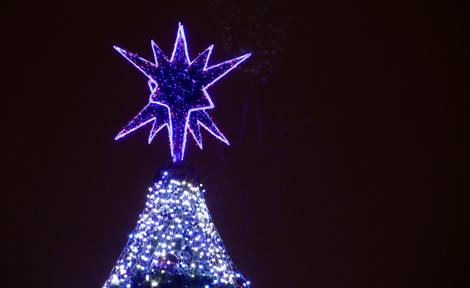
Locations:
(175, 235)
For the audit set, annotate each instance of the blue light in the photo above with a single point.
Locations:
(178, 98)
(175, 233)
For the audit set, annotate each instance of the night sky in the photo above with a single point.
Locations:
(348, 159)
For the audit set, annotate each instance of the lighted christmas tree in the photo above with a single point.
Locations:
(175, 243)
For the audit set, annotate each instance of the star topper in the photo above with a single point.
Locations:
(178, 94)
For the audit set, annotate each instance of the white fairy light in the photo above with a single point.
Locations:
(182, 242)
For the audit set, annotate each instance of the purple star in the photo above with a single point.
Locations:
(179, 97)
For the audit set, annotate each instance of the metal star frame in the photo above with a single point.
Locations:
(178, 98)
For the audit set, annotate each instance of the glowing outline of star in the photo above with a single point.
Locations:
(195, 116)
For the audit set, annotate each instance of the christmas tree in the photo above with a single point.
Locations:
(175, 243)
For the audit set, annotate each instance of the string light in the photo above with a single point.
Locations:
(176, 245)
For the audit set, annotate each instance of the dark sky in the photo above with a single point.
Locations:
(347, 167)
